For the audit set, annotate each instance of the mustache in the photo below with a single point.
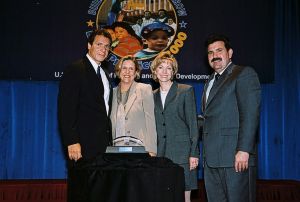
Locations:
(216, 59)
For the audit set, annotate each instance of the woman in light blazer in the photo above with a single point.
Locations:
(133, 106)
(176, 120)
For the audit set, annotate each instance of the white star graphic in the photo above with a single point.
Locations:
(183, 24)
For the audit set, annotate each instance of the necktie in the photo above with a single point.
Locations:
(217, 76)
(98, 72)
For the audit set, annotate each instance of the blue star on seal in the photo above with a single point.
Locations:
(183, 24)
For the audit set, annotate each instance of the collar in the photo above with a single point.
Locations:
(223, 69)
(92, 61)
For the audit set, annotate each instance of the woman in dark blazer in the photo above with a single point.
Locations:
(176, 120)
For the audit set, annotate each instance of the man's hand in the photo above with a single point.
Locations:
(241, 161)
(193, 163)
(74, 151)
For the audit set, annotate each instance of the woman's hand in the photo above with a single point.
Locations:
(152, 154)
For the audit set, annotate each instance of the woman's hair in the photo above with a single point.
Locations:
(118, 66)
(128, 28)
(162, 57)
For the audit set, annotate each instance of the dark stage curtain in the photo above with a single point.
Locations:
(30, 146)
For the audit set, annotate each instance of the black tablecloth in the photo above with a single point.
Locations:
(126, 179)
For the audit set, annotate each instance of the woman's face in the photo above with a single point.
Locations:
(158, 40)
(164, 71)
(127, 72)
(121, 32)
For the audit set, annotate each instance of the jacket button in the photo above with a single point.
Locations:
(164, 124)
(164, 136)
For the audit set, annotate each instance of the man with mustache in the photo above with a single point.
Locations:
(231, 108)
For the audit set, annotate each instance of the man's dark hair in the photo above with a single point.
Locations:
(99, 32)
(218, 37)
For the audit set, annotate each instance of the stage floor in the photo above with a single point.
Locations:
(55, 191)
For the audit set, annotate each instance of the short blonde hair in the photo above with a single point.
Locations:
(118, 66)
(162, 57)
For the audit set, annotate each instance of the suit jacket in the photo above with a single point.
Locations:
(81, 109)
(139, 110)
(176, 124)
(231, 116)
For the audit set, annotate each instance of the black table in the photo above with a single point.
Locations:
(120, 178)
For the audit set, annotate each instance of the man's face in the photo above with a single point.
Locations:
(161, 14)
(147, 15)
(99, 49)
(139, 21)
(218, 56)
(170, 21)
(158, 40)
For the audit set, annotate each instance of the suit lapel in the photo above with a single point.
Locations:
(131, 97)
(171, 94)
(94, 79)
(204, 92)
(114, 105)
(216, 87)
(157, 100)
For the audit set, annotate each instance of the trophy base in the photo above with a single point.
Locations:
(125, 149)
(126, 152)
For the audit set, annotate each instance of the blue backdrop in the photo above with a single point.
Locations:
(30, 146)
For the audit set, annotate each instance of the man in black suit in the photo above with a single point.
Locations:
(231, 108)
(84, 102)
